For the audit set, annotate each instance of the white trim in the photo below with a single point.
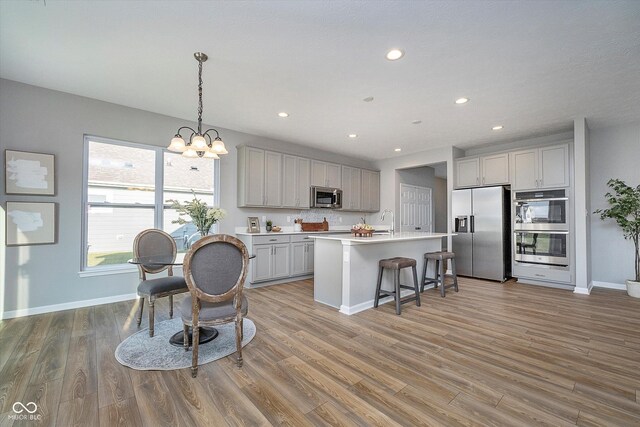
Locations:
(583, 291)
(108, 271)
(349, 310)
(609, 285)
(66, 306)
(249, 285)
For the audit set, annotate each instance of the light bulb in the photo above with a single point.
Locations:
(177, 144)
(217, 146)
(199, 143)
(190, 152)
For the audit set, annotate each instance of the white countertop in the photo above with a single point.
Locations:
(263, 233)
(381, 238)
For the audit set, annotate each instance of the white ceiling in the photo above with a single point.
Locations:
(531, 66)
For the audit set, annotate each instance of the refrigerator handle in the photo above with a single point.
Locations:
(472, 224)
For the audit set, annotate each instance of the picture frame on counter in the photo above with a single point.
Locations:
(30, 223)
(29, 173)
(253, 224)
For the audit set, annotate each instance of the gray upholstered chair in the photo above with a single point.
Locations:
(215, 269)
(156, 243)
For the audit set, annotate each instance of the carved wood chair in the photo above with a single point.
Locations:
(149, 243)
(215, 269)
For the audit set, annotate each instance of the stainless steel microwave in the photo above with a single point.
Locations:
(323, 197)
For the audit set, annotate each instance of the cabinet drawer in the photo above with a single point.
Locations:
(301, 238)
(541, 273)
(260, 240)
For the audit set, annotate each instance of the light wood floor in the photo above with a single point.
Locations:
(491, 354)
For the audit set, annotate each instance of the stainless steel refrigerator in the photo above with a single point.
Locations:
(482, 221)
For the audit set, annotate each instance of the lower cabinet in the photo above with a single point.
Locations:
(278, 256)
(271, 261)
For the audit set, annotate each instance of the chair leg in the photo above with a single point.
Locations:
(424, 274)
(378, 286)
(442, 278)
(171, 306)
(435, 274)
(196, 336)
(455, 276)
(239, 342)
(151, 316)
(186, 336)
(141, 304)
(396, 285)
(415, 285)
(241, 328)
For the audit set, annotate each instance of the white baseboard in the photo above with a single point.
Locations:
(609, 285)
(583, 291)
(353, 309)
(66, 306)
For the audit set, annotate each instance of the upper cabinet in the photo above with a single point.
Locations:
(370, 191)
(486, 170)
(270, 179)
(351, 188)
(468, 172)
(325, 174)
(295, 182)
(545, 167)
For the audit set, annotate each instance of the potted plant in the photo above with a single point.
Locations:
(624, 209)
(269, 225)
(202, 216)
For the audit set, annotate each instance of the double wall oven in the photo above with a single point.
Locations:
(541, 228)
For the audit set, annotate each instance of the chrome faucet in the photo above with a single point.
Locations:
(393, 220)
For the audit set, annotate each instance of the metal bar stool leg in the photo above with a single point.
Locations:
(415, 285)
(378, 285)
(396, 283)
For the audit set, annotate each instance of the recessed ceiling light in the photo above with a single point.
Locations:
(497, 127)
(398, 149)
(416, 122)
(283, 114)
(353, 135)
(462, 100)
(368, 99)
(395, 54)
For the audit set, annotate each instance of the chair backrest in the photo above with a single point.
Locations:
(154, 242)
(215, 268)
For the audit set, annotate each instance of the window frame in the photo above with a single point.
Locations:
(158, 206)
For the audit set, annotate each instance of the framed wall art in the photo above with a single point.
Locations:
(253, 224)
(29, 173)
(31, 223)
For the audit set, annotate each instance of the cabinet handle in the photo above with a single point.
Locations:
(273, 240)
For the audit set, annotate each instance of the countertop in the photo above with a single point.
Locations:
(381, 238)
(277, 233)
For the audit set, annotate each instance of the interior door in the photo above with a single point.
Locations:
(415, 208)
(488, 258)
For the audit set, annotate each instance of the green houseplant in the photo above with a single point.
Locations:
(202, 216)
(624, 209)
(269, 225)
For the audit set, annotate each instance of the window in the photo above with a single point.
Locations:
(126, 187)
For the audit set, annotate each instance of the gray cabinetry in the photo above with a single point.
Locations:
(546, 167)
(370, 191)
(302, 256)
(273, 179)
(495, 169)
(295, 182)
(272, 257)
(468, 172)
(325, 174)
(251, 173)
(351, 188)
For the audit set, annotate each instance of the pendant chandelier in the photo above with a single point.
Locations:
(200, 144)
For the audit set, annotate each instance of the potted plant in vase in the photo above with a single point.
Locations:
(624, 209)
(269, 225)
(202, 216)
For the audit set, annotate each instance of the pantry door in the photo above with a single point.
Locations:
(415, 208)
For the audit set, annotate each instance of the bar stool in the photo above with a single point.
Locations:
(396, 264)
(439, 258)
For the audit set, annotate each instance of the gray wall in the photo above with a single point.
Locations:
(42, 120)
(615, 153)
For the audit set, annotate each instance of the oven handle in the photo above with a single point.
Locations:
(553, 199)
(541, 232)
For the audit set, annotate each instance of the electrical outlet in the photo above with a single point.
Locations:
(264, 218)
(288, 219)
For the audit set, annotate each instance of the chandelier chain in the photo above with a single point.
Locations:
(199, 97)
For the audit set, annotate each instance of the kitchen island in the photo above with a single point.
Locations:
(346, 267)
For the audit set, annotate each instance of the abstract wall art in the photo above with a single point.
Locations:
(29, 173)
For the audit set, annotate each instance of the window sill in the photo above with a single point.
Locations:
(108, 271)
